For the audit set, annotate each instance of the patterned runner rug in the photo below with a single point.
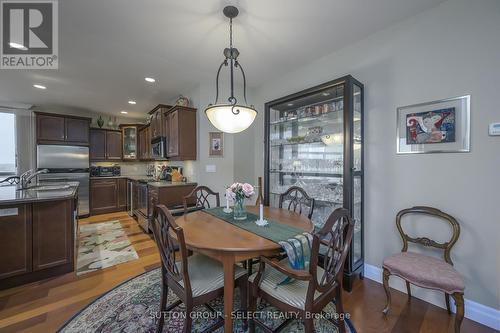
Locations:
(133, 307)
(103, 245)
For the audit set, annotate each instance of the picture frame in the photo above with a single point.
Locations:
(216, 144)
(441, 126)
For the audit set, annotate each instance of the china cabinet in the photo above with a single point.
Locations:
(314, 139)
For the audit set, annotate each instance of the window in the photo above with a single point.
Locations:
(7, 143)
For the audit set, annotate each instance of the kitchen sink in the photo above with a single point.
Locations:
(49, 187)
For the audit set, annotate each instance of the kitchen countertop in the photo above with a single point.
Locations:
(161, 183)
(12, 194)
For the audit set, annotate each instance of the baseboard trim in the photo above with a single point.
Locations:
(474, 311)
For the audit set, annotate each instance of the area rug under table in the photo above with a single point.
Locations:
(103, 245)
(133, 305)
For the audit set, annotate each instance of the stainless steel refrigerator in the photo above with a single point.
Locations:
(66, 163)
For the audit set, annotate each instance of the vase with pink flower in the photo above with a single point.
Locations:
(238, 192)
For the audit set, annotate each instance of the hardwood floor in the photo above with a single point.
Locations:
(44, 306)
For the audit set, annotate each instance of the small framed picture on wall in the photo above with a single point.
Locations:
(434, 127)
(216, 142)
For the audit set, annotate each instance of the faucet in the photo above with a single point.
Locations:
(26, 177)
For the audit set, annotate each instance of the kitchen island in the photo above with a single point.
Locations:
(37, 232)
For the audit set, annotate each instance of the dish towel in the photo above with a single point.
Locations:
(298, 249)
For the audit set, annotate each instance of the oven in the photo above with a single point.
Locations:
(159, 148)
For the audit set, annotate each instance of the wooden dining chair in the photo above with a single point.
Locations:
(196, 279)
(426, 271)
(200, 195)
(297, 200)
(12, 180)
(311, 290)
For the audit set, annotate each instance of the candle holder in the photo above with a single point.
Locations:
(262, 223)
(227, 210)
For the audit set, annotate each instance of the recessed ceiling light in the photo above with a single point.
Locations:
(290, 104)
(18, 46)
(132, 102)
(149, 79)
(39, 86)
(124, 112)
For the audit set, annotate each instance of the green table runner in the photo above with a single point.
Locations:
(274, 231)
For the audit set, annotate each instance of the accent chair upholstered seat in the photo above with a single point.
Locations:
(425, 271)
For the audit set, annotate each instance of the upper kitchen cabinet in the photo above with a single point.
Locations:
(105, 145)
(181, 133)
(63, 130)
(144, 143)
(157, 126)
(130, 142)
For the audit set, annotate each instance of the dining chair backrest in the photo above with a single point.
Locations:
(297, 200)
(336, 235)
(425, 241)
(164, 229)
(201, 196)
(12, 180)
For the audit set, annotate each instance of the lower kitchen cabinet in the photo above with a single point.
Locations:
(52, 234)
(16, 245)
(37, 241)
(108, 195)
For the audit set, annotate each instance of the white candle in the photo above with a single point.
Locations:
(261, 212)
(227, 202)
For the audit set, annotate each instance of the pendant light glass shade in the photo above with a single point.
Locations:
(231, 117)
(225, 120)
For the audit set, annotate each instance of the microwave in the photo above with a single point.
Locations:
(159, 148)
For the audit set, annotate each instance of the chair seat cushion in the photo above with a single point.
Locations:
(425, 271)
(293, 293)
(206, 274)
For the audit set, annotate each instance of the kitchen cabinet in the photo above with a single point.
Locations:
(108, 195)
(122, 193)
(37, 240)
(105, 145)
(181, 133)
(103, 196)
(60, 129)
(16, 244)
(113, 145)
(97, 149)
(157, 123)
(52, 234)
(130, 142)
(144, 143)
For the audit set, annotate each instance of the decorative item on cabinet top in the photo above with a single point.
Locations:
(182, 101)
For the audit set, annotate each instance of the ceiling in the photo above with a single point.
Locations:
(106, 48)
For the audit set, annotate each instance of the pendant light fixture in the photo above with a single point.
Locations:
(231, 117)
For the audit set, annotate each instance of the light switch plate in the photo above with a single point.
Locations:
(210, 168)
(494, 129)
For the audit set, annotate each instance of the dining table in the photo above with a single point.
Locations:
(207, 234)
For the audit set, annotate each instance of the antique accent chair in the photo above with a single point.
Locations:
(196, 279)
(425, 271)
(201, 195)
(311, 290)
(298, 201)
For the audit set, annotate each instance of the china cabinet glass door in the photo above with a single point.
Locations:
(314, 140)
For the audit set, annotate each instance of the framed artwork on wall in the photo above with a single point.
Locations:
(216, 142)
(434, 127)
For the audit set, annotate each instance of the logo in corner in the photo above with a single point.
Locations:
(29, 34)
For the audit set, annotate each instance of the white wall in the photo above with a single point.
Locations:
(451, 50)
